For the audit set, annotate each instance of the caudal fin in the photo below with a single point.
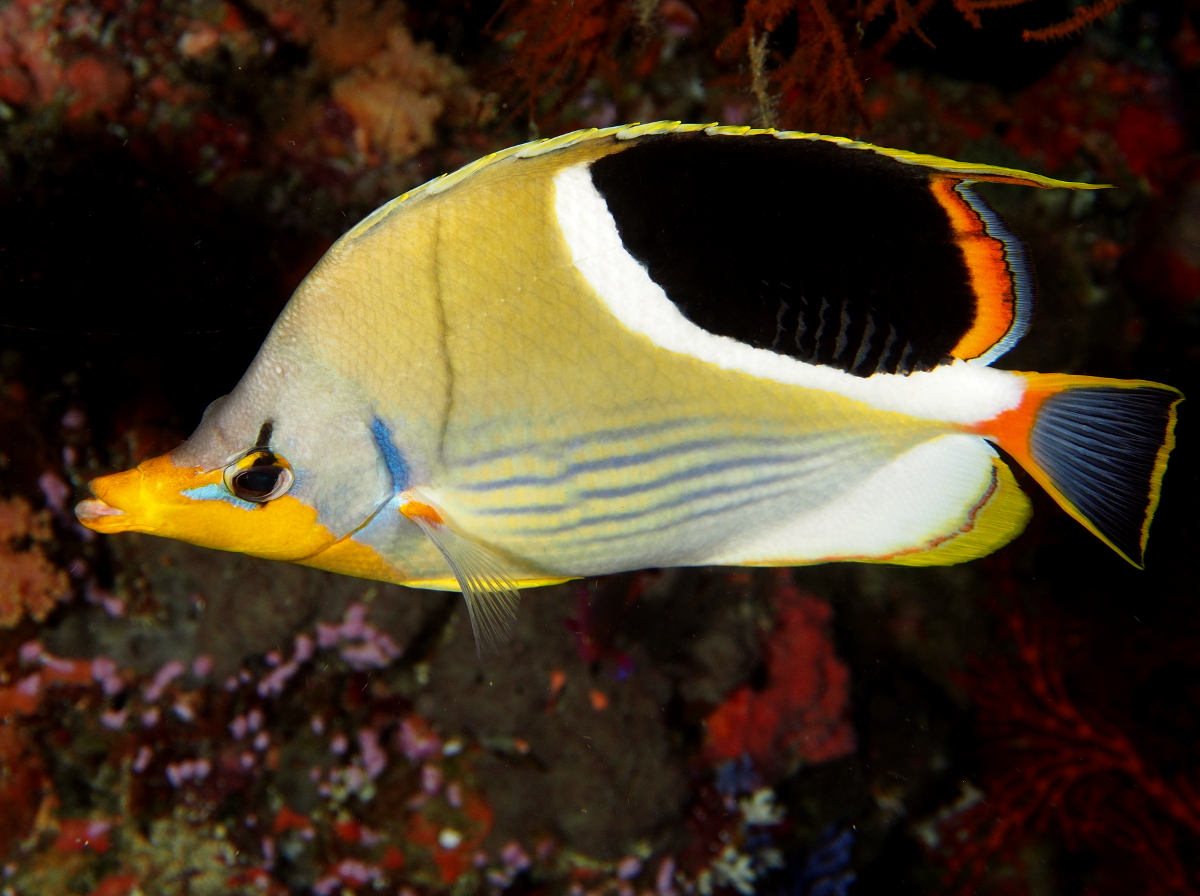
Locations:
(1099, 447)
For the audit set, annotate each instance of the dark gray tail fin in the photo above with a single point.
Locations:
(1100, 448)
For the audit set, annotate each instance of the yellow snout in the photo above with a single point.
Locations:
(192, 505)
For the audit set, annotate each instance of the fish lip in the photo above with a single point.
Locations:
(100, 515)
(94, 509)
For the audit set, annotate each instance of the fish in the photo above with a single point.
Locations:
(656, 345)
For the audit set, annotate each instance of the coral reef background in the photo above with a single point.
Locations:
(182, 721)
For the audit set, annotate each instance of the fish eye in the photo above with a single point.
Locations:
(259, 477)
(260, 483)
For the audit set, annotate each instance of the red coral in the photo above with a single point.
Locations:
(1148, 136)
(22, 779)
(115, 885)
(453, 860)
(80, 834)
(816, 78)
(801, 715)
(37, 64)
(560, 44)
(288, 819)
(99, 86)
(1127, 119)
(1050, 768)
(1165, 268)
(1083, 16)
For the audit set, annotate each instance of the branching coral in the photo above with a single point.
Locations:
(825, 43)
(559, 44)
(1051, 768)
(1083, 16)
(816, 75)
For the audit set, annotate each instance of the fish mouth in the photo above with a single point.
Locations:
(93, 509)
(101, 513)
(102, 517)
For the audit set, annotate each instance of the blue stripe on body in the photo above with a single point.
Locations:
(688, 496)
(625, 491)
(524, 510)
(616, 462)
(391, 455)
(691, 498)
(661, 482)
(576, 442)
(742, 502)
(681, 521)
(646, 513)
(813, 464)
(535, 509)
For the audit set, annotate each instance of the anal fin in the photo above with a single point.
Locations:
(491, 595)
(946, 501)
(996, 519)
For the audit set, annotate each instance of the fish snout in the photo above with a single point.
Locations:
(118, 496)
(133, 500)
(192, 504)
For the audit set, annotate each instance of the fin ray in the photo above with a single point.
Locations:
(491, 595)
(1099, 447)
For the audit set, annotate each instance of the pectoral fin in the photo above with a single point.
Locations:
(492, 596)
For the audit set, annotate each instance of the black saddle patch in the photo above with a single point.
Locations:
(835, 256)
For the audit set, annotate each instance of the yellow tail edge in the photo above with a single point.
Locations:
(1098, 446)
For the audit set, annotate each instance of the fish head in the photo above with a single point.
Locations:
(277, 469)
(210, 507)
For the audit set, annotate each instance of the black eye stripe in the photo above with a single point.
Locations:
(264, 435)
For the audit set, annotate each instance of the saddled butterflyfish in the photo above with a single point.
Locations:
(652, 346)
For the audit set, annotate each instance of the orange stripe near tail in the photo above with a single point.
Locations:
(987, 264)
(1098, 446)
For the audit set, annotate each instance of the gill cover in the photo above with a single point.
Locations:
(261, 474)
